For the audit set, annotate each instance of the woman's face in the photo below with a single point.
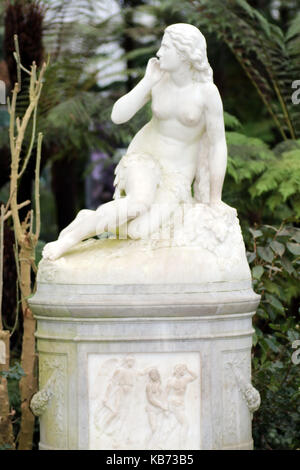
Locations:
(154, 375)
(169, 58)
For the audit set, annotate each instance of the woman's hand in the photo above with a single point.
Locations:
(153, 73)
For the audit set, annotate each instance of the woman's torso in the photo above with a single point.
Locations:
(173, 134)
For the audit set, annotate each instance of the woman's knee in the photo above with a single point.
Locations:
(137, 207)
(84, 213)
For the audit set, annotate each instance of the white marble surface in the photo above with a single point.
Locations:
(144, 401)
(145, 341)
(207, 247)
(179, 157)
(85, 353)
(86, 333)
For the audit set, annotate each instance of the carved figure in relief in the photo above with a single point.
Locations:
(116, 406)
(183, 144)
(156, 409)
(176, 391)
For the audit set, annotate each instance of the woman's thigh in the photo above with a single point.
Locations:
(141, 183)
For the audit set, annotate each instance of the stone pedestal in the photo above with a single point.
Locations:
(145, 365)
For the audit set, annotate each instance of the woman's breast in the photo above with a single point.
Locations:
(182, 110)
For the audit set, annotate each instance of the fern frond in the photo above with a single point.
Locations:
(269, 57)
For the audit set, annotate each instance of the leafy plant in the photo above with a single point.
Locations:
(15, 372)
(274, 256)
(269, 55)
(280, 183)
(268, 178)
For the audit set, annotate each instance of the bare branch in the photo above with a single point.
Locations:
(18, 60)
(26, 160)
(37, 187)
(22, 204)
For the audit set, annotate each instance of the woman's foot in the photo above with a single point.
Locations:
(54, 250)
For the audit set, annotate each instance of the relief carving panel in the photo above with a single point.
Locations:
(144, 401)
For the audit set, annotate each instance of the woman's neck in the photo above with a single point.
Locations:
(182, 77)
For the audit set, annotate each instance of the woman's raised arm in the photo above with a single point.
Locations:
(128, 105)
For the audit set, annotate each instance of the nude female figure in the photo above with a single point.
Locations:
(176, 390)
(117, 401)
(155, 408)
(183, 144)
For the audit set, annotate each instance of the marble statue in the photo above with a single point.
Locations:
(177, 158)
(144, 305)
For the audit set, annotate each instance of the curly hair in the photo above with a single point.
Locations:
(191, 45)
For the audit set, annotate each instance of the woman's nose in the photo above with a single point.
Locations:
(158, 54)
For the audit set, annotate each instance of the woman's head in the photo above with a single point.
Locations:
(154, 375)
(179, 370)
(191, 46)
(128, 361)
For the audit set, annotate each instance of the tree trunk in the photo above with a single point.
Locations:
(28, 384)
(6, 429)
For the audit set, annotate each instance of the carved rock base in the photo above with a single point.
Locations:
(161, 366)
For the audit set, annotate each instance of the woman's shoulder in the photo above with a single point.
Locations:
(205, 92)
(211, 96)
(209, 89)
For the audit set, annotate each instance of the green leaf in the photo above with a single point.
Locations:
(284, 233)
(265, 253)
(255, 233)
(275, 303)
(270, 342)
(257, 272)
(231, 122)
(251, 255)
(277, 247)
(274, 327)
(293, 335)
(262, 313)
(294, 248)
(296, 235)
(278, 365)
(288, 265)
(272, 287)
(258, 332)
(15, 372)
